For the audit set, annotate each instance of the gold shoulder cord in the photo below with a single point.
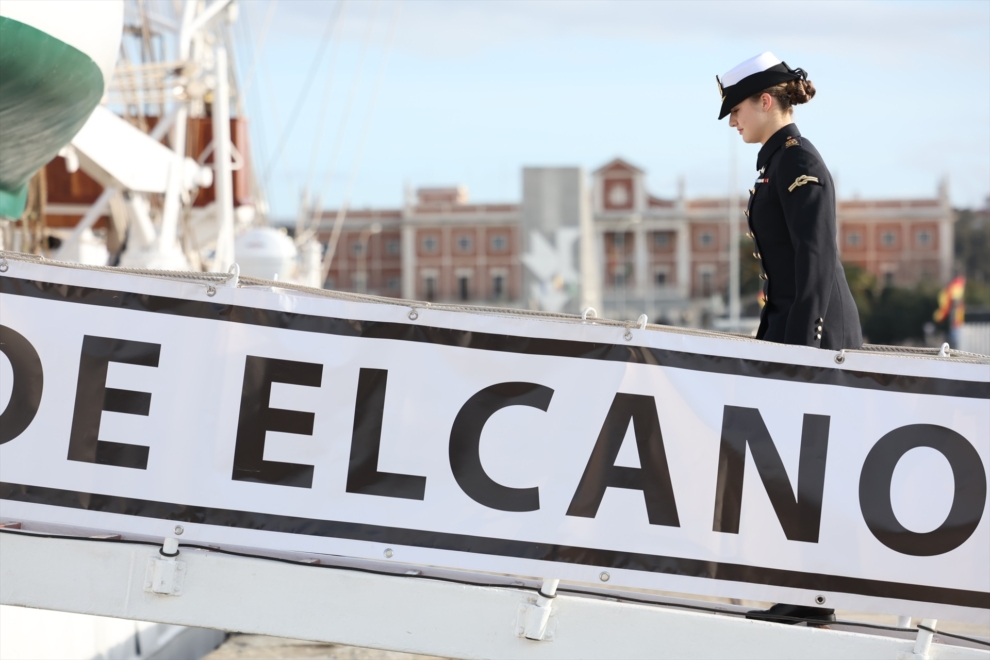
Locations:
(801, 180)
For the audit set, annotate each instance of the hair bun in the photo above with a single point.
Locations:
(799, 91)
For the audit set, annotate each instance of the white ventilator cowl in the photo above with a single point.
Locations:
(757, 64)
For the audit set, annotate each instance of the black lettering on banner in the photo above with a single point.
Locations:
(257, 417)
(967, 501)
(653, 475)
(366, 441)
(26, 386)
(465, 445)
(93, 397)
(800, 518)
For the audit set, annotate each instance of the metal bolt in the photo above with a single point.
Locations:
(603, 576)
(179, 530)
(388, 553)
(820, 600)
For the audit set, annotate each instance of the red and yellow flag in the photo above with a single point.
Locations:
(950, 301)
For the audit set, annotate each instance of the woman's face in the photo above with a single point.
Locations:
(750, 118)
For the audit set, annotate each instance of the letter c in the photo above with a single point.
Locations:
(465, 445)
(28, 381)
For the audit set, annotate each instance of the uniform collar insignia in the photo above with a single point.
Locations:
(775, 142)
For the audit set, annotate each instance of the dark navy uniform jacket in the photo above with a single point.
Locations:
(791, 216)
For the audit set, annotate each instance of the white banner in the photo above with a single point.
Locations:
(658, 460)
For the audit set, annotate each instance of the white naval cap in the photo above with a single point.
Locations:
(752, 76)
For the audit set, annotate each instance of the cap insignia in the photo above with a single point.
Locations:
(721, 91)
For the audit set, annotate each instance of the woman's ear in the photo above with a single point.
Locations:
(766, 102)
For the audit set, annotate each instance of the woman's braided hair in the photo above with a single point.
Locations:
(790, 93)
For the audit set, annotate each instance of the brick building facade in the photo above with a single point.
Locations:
(655, 255)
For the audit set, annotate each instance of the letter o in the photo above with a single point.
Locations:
(967, 501)
(25, 396)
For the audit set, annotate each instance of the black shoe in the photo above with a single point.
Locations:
(791, 614)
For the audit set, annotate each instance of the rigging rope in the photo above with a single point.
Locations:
(342, 211)
(304, 92)
(316, 216)
(325, 102)
(260, 46)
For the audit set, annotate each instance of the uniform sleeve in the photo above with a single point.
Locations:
(809, 212)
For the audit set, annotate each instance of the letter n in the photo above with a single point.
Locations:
(799, 517)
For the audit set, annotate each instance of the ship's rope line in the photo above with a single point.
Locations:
(259, 48)
(304, 92)
(212, 279)
(618, 597)
(359, 153)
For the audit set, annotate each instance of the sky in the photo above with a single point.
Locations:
(468, 92)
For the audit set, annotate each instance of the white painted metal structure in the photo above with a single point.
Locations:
(409, 611)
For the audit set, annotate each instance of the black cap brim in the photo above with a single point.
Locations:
(753, 84)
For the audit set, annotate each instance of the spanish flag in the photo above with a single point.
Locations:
(950, 303)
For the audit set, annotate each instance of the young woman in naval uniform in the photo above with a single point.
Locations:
(791, 215)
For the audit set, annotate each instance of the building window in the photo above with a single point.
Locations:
(622, 275)
(888, 279)
(923, 238)
(357, 248)
(464, 287)
(661, 278)
(619, 240)
(464, 243)
(499, 243)
(853, 239)
(707, 283)
(429, 244)
(888, 239)
(706, 239)
(661, 239)
(430, 287)
(392, 246)
(392, 284)
(498, 286)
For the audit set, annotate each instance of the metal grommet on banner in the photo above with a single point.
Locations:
(179, 530)
(628, 334)
(211, 290)
(841, 357)
(603, 576)
(388, 553)
(4, 266)
(413, 314)
(589, 311)
(820, 600)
